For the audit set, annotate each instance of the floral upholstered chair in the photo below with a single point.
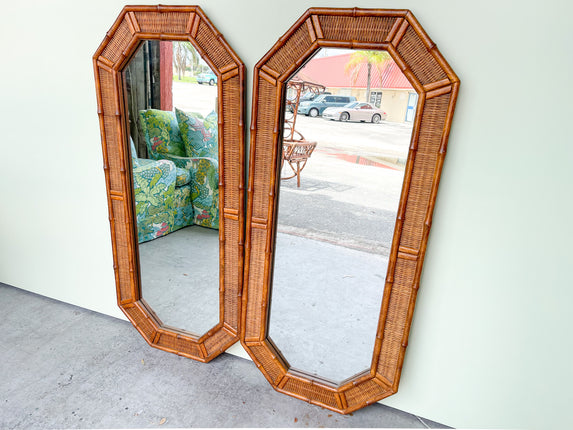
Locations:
(162, 194)
(190, 142)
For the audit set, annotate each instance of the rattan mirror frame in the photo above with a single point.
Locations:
(187, 23)
(399, 33)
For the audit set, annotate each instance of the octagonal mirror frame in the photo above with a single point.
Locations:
(176, 23)
(400, 34)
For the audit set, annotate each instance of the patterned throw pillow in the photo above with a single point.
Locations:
(198, 134)
(161, 132)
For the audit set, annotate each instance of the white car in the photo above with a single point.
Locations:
(355, 111)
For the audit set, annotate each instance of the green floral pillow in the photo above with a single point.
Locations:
(199, 135)
(161, 132)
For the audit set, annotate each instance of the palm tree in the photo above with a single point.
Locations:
(359, 59)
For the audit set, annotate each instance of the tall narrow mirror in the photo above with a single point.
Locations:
(170, 102)
(345, 145)
(351, 116)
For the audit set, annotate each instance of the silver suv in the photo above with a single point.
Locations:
(316, 107)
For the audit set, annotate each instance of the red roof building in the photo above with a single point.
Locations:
(389, 88)
(331, 72)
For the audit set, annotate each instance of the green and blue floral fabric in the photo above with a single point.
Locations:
(199, 134)
(203, 170)
(161, 133)
(161, 205)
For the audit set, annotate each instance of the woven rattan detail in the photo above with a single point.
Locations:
(218, 342)
(311, 392)
(421, 61)
(119, 41)
(256, 278)
(114, 163)
(291, 51)
(364, 393)
(396, 318)
(264, 142)
(231, 274)
(231, 151)
(122, 250)
(183, 345)
(209, 43)
(268, 361)
(109, 109)
(107, 84)
(417, 206)
(168, 22)
(361, 28)
(141, 321)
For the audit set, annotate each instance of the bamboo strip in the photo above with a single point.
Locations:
(132, 22)
(411, 251)
(230, 74)
(222, 112)
(435, 85)
(449, 118)
(268, 78)
(310, 29)
(105, 64)
(272, 73)
(407, 256)
(394, 30)
(195, 27)
(400, 33)
(317, 27)
(439, 92)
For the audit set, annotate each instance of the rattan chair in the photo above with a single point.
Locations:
(296, 154)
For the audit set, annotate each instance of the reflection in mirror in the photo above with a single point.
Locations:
(348, 121)
(171, 100)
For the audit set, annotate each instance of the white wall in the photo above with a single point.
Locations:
(490, 344)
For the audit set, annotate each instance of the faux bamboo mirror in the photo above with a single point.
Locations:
(170, 103)
(352, 110)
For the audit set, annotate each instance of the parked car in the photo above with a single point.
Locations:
(309, 96)
(207, 78)
(323, 101)
(355, 111)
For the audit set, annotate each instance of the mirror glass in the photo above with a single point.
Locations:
(170, 95)
(347, 128)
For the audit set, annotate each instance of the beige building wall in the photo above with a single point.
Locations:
(394, 102)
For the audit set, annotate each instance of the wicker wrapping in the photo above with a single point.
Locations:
(134, 24)
(398, 32)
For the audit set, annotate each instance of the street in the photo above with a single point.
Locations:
(350, 187)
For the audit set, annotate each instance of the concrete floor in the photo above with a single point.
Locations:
(325, 306)
(180, 278)
(67, 367)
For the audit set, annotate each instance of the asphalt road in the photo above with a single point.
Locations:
(351, 185)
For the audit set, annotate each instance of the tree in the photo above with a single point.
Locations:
(183, 52)
(359, 59)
